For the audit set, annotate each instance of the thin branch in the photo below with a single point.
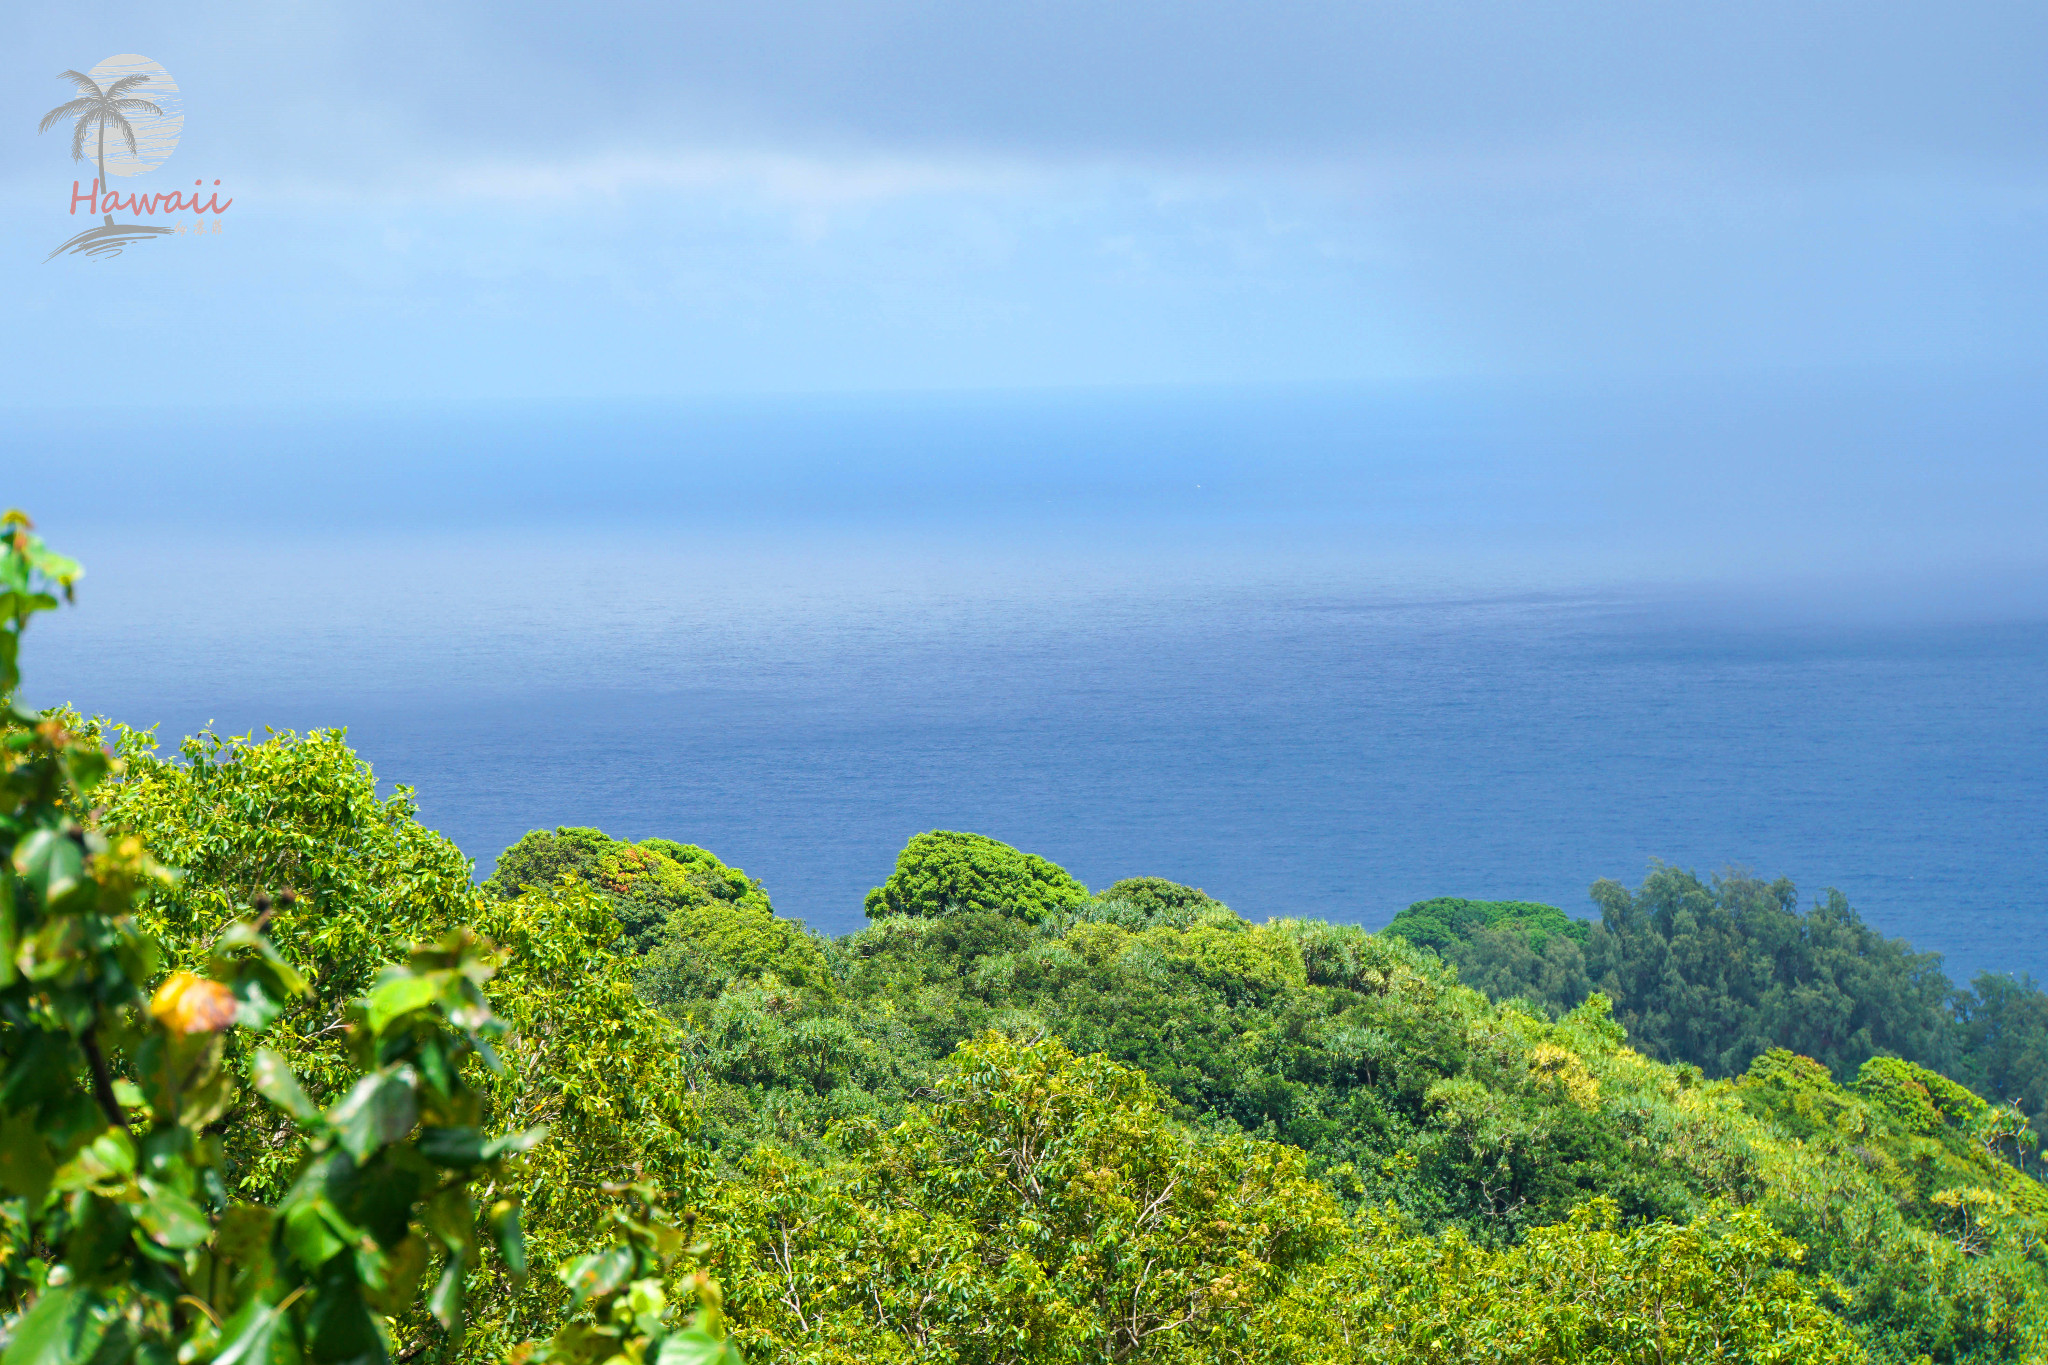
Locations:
(102, 1084)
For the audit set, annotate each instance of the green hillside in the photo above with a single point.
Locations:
(951, 1123)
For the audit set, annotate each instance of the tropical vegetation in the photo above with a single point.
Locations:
(280, 1081)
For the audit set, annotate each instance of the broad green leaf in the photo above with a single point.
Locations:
(172, 1220)
(432, 1059)
(53, 949)
(393, 1277)
(452, 1146)
(339, 1327)
(468, 1147)
(598, 1273)
(53, 566)
(274, 1079)
(8, 935)
(285, 979)
(445, 1303)
(380, 1108)
(62, 1329)
(242, 1238)
(88, 767)
(511, 1242)
(254, 1337)
(310, 1236)
(694, 1346)
(401, 995)
(512, 1144)
(107, 1159)
(255, 1008)
(49, 863)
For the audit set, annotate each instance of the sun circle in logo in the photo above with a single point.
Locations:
(156, 135)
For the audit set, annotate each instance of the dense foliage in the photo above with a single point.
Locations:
(946, 872)
(1417, 1103)
(1716, 973)
(317, 1096)
(591, 1066)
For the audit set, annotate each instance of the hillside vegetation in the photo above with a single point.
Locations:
(1714, 974)
(245, 1117)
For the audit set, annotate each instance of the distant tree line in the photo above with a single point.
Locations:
(1715, 973)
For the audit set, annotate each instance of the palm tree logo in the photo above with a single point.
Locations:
(101, 109)
(104, 109)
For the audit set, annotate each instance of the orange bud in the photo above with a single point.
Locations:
(192, 1004)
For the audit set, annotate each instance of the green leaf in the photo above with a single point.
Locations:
(694, 1346)
(53, 566)
(467, 1146)
(511, 1241)
(172, 1220)
(242, 1238)
(598, 1273)
(107, 1159)
(255, 1007)
(61, 1329)
(445, 1303)
(53, 950)
(119, 1343)
(275, 1081)
(50, 863)
(401, 995)
(452, 1146)
(88, 767)
(380, 1109)
(253, 1337)
(394, 1277)
(309, 1235)
(9, 933)
(432, 1060)
(512, 1144)
(284, 979)
(339, 1327)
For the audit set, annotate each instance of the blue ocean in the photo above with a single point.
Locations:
(1321, 652)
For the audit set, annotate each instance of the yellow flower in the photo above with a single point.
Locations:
(192, 1004)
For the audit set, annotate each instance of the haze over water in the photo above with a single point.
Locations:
(1321, 651)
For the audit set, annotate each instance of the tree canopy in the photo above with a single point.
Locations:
(948, 873)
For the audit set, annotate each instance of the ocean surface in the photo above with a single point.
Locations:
(1321, 653)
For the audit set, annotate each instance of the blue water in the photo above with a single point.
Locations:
(1321, 654)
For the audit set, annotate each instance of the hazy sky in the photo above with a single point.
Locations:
(505, 199)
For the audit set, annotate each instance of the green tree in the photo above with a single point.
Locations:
(1444, 923)
(947, 873)
(1716, 974)
(1044, 1208)
(602, 1072)
(1155, 900)
(699, 923)
(1719, 1290)
(2002, 1045)
(352, 881)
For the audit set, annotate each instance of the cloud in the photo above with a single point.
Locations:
(649, 193)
